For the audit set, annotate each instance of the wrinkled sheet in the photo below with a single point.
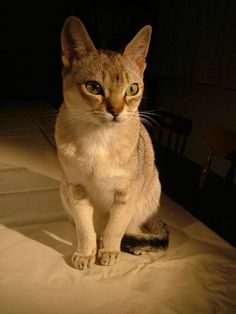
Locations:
(196, 275)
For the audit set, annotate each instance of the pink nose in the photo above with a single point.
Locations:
(115, 111)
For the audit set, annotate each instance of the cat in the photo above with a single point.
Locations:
(110, 186)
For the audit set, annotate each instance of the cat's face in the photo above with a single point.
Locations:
(107, 85)
(102, 86)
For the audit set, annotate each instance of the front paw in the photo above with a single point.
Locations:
(80, 261)
(108, 258)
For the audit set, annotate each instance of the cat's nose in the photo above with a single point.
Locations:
(114, 111)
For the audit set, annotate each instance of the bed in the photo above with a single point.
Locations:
(196, 275)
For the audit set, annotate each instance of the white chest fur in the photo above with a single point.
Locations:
(98, 162)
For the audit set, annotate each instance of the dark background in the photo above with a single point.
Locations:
(30, 40)
(192, 40)
(191, 71)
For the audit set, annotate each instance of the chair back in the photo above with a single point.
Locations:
(221, 142)
(172, 131)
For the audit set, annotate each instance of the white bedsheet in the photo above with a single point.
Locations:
(196, 275)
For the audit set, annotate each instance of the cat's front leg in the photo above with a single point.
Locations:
(82, 210)
(109, 249)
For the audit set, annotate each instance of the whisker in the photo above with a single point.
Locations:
(146, 122)
(151, 112)
(150, 119)
(145, 117)
(81, 117)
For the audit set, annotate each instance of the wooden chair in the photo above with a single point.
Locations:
(169, 140)
(172, 131)
(221, 142)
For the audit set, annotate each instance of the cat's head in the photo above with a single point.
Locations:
(102, 85)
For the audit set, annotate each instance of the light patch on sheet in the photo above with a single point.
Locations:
(56, 237)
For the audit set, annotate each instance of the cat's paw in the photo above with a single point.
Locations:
(81, 262)
(108, 258)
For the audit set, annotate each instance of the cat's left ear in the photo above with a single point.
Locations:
(137, 48)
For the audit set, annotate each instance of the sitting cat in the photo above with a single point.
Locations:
(110, 186)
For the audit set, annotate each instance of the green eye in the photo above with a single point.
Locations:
(132, 90)
(94, 88)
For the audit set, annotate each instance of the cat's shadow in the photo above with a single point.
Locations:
(58, 236)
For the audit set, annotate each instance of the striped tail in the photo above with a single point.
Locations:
(156, 241)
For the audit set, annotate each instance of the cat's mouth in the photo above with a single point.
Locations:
(113, 121)
(108, 118)
(116, 120)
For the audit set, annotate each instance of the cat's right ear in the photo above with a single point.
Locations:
(75, 40)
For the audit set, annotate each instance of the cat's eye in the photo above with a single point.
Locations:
(94, 88)
(132, 89)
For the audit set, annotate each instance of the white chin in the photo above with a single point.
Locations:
(122, 118)
(119, 119)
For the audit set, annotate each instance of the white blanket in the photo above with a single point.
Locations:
(196, 275)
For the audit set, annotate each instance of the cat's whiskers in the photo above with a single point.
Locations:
(90, 115)
(83, 117)
(148, 121)
(98, 113)
(76, 118)
(143, 117)
(150, 112)
(147, 117)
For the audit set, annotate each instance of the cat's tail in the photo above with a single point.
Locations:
(154, 238)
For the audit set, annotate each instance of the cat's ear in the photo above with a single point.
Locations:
(75, 40)
(137, 48)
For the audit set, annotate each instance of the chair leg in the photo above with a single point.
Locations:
(205, 171)
(230, 176)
